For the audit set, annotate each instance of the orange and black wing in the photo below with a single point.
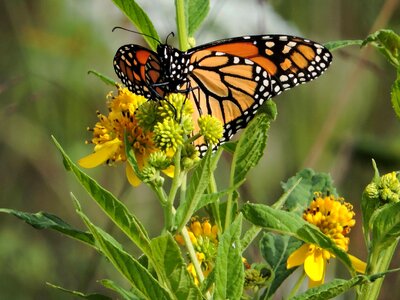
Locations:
(231, 78)
(139, 70)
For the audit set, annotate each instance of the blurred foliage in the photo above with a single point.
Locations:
(49, 46)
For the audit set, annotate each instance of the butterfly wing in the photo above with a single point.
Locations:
(231, 78)
(139, 70)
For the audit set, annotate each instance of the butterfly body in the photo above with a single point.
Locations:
(228, 79)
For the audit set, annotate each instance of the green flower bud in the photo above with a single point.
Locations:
(159, 160)
(211, 128)
(149, 174)
(190, 156)
(255, 278)
(175, 106)
(168, 135)
(389, 187)
(187, 124)
(372, 191)
(147, 115)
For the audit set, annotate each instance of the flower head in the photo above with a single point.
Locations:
(204, 238)
(109, 135)
(152, 130)
(334, 218)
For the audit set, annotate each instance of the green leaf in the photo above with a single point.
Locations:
(386, 226)
(168, 256)
(143, 283)
(197, 184)
(334, 45)
(140, 19)
(303, 192)
(43, 220)
(210, 198)
(275, 249)
(197, 10)
(127, 295)
(250, 148)
(331, 289)
(230, 147)
(104, 78)
(93, 296)
(388, 43)
(114, 208)
(395, 95)
(229, 272)
(249, 236)
(269, 109)
(291, 224)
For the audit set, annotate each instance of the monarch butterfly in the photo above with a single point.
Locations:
(228, 79)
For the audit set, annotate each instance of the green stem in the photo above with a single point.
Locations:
(181, 24)
(228, 211)
(212, 187)
(192, 254)
(297, 285)
(378, 262)
(176, 182)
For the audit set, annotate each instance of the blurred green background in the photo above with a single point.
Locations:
(335, 124)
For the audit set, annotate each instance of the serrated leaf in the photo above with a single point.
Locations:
(291, 224)
(334, 45)
(92, 296)
(140, 19)
(229, 272)
(386, 226)
(331, 289)
(310, 182)
(197, 12)
(140, 278)
(43, 220)
(197, 184)
(388, 43)
(114, 208)
(127, 295)
(395, 95)
(250, 148)
(275, 249)
(167, 255)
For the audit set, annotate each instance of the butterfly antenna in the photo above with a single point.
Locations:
(137, 32)
(170, 34)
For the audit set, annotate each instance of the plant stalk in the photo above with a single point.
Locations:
(181, 24)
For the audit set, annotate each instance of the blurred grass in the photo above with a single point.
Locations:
(47, 48)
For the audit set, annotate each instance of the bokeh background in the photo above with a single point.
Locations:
(335, 124)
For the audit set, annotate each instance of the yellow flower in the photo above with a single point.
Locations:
(334, 218)
(109, 135)
(204, 238)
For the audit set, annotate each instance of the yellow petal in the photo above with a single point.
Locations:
(101, 155)
(312, 283)
(358, 264)
(170, 171)
(297, 257)
(314, 265)
(131, 175)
